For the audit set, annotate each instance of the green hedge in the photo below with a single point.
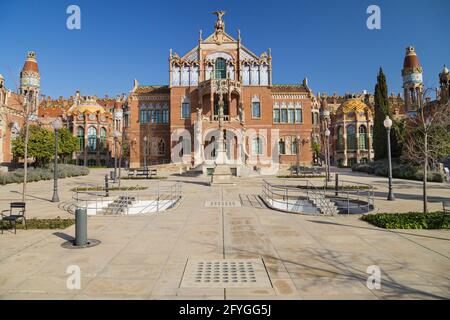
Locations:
(56, 223)
(411, 220)
(399, 171)
(38, 174)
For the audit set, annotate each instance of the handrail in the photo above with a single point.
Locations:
(121, 203)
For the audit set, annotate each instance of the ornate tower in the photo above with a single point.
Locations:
(444, 81)
(30, 79)
(412, 80)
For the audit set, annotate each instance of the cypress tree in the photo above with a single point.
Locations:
(381, 111)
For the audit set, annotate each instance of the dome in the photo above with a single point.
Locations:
(31, 63)
(89, 105)
(353, 105)
(411, 60)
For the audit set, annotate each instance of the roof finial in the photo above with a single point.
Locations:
(201, 35)
(239, 35)
(219, 25)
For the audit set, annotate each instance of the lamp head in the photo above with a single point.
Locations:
(387, 122)
(57, 124)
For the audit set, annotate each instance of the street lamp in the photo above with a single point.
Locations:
(388, 124)
(297, 142)
(56, 124)
(116, 138)
(327, 150)
(145, 152)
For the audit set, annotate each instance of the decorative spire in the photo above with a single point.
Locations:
(239, 35)
(200, 35)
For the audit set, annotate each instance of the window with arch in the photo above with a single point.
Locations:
(257, 146)
(256, 108)
(220, 68)
(92, 138)
(351, 137)
(363, 138)
(103, 138)
(282, 146)
(80, 137)
(295, 143)
(340, 138)
(185, 108)
(161, 147)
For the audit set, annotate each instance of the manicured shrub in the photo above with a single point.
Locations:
(38, 174)
(399, 171)
(56, 223)
(411, 220)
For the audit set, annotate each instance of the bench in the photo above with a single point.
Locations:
(142, 173)
(16, 213)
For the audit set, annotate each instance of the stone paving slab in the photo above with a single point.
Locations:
(306, 257)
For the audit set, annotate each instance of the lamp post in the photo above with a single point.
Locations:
(327, 151)
(57, 124)
(297, 142)
(388, 124)
(116, 138)
(145, 152)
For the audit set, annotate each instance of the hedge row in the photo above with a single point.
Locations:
(56, 223)
(411, 220)
(399, 171)
(38, 174)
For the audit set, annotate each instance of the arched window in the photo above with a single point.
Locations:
(351, 137)
(221, 68)
(161, 147)
(282, 146)
(257, 146)
(80, 137)
(340, 138)
(92, 138)
(362, 138)
(295, 144)
(103, 137)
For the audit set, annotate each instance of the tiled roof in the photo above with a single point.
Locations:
(153, 89)
(289, 88)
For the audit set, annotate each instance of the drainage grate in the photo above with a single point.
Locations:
(222, 204)
(229, 273)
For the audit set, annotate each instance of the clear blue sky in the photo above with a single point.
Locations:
(327, 41)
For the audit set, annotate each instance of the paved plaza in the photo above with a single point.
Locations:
(149, 256)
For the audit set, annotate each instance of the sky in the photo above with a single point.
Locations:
(119, 41)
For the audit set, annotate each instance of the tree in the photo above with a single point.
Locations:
(40, 145)
(381, 111)
(427, 139)
(67, 143)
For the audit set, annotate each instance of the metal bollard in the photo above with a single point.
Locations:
(106, 186)
(337, 185)
(81, 227)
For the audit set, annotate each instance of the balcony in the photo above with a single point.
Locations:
(227, 86)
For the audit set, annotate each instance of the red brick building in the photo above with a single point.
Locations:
(179, 122)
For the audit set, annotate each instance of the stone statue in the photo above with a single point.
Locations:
(199, 114)
(220, 25)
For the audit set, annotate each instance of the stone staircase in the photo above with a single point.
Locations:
(323, 204)
(118, 206)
